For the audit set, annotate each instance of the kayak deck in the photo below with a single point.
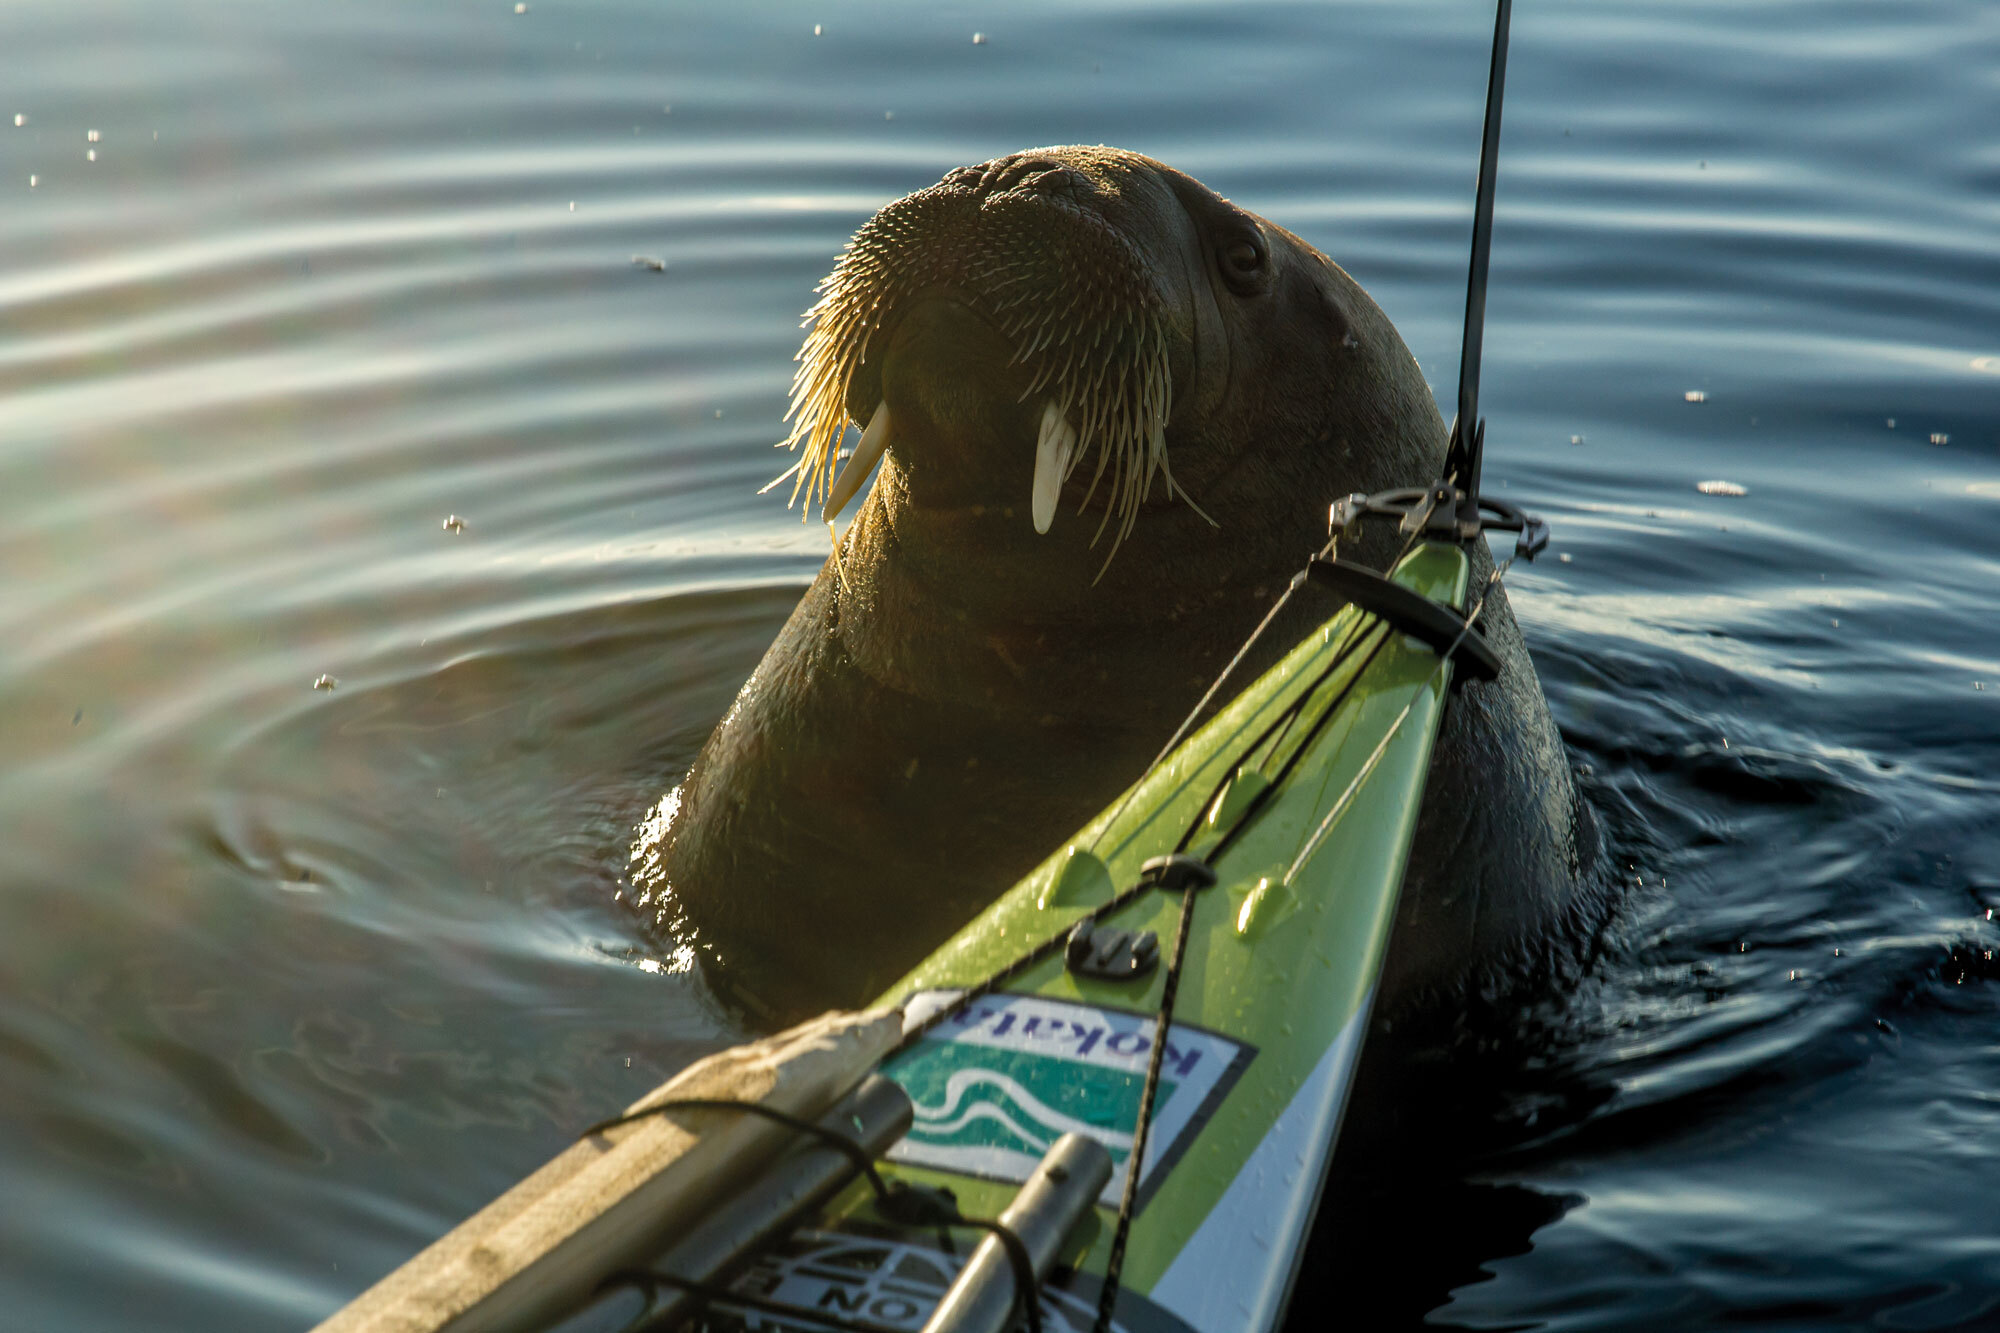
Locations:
(1274, 993)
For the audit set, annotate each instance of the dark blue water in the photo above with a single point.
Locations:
(291, 979)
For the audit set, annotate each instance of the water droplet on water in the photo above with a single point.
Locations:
(325, 682)
(20, 119)
(1563, 557)
(1721, 488)
(1576, 439)
(979, 39)
(90, 155)
(93, 136)
(34, 181)
(1695, 396)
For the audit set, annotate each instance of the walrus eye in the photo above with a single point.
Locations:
(1242, 262)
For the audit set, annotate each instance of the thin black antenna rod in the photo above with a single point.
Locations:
(1467, 430)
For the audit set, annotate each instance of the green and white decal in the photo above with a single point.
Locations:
(997, 1083)
(1302, 795)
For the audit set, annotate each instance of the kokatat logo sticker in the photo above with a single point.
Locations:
(995, 1085)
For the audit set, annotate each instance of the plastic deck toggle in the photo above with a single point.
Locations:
(1111, 954)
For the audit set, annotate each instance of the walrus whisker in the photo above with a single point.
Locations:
(839, 569)
(778, 480)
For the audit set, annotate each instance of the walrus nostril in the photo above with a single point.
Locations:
(1056, 180)
(1005, 173)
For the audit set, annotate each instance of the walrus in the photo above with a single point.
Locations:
(1110, 409)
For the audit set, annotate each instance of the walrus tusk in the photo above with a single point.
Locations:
(1053, 452)
(859, 464)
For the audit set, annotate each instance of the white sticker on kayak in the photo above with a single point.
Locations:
(998, 1083)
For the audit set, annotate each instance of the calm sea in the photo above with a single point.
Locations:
(291, 978)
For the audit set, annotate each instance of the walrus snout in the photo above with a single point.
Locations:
(1043, 250)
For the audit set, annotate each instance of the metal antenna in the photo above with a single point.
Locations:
(1468, 432)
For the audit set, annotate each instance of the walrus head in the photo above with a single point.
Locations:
(1087, 325)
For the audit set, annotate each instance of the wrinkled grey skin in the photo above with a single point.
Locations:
(923, 734)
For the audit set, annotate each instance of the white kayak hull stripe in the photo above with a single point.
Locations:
(1235, 1272)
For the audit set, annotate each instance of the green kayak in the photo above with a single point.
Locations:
(1301, 794)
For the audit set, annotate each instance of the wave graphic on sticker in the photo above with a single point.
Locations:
(945, 1119)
